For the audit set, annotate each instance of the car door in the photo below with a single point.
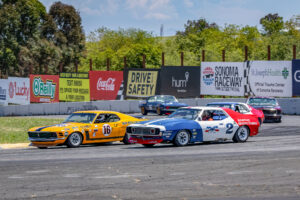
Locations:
(221, 126)
(106, 128)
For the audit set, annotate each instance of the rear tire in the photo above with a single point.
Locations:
(126, 139)
(74, 140)
(143, 111)
(278, 120)
(182, 138)
(241, 135)
(158, 111)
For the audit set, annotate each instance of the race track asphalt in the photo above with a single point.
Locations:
(266, 167)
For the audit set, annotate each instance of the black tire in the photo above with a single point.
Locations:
(42, 147)
(143, 111)
(126, 139)
(241, 135)
(260, 121)
(74, 140)
(148, 145)
(182, 138)
(158, 111)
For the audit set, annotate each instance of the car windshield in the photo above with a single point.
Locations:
(219, 105)
(191, 114)
(166, 99)
(81, 118)
(262, 102)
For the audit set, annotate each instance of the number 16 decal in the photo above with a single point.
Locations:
(229, 127)
(106, 130)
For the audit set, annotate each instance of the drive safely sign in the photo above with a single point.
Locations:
(141, 83)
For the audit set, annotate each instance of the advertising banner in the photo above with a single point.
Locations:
(296, 77)
(74, 87)
(19, 90)
(222, 78)
(3, 92)
(141, 82)
(268, 78)
(106, 85)
(44, 88)
(180, 81)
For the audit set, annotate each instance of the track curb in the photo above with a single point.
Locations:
(15, 146)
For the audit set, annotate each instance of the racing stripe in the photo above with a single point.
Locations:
(39, 129)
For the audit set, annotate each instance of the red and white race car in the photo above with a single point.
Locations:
(195, 124)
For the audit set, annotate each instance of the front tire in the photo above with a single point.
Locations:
(74, 140)
(241, 135)
(143, 111)
(182, 138)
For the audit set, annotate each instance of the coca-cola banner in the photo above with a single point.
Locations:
(18, 90)
(3, 92)
(180, 81)
(105, 85)
(44, 88)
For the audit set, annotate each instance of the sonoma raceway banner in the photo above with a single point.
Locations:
(296, 77)
(106, 85)
(74, 87)
(3, 92)
(222, 78)
(180, 81)
(268, 78)
(19, 90)
(141, 82)
(44, 88)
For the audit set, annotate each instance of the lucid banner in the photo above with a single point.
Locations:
(141, 83)
(44, 88)
(3, 92)
(180, 81)
(18, 90)
(74, 87)
(296, 77)
(222, 78)
(106, 85)
(268, 78)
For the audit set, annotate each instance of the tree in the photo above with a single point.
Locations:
(68, 33)
(272, 23)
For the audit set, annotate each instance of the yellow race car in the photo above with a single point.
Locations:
(84, 127)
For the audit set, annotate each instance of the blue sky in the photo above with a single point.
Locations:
(149, 15)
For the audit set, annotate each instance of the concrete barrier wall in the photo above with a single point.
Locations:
(289, 106)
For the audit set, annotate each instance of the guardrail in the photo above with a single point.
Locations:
(289, 106)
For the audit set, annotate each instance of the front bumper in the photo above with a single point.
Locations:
(145, 139)
(44, 139)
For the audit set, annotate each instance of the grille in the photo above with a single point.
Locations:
(172, 107)
(269, 112)
(145, 131)
(44, 135)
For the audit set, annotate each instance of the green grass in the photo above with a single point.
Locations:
(14, 129)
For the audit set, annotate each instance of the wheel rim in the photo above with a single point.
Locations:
(243, 133)
(158, 111)
(182, 138)
(75, 139)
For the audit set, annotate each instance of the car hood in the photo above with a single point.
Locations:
(174, 104)
(171, 123)
(58, 127)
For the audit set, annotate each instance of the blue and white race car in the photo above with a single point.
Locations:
(195, 124)
(160, 104)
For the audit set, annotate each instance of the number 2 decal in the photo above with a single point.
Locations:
(229, 127)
